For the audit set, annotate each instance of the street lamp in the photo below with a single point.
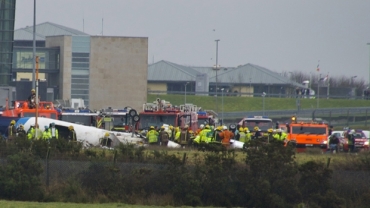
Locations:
(185, 91)
(216, 68)
(222, 94)
(353, 92)
(352, 80)
(263, 103)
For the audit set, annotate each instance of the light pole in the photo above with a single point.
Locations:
(353, 92)
(216, 68)
(291, 81)
(352, 80)
(263, 103)
(34, 46)
(185, 91)
(222, 117)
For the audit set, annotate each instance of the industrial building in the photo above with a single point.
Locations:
(244, 80)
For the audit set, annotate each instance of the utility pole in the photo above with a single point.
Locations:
(34, 46)
(318, 92)
(216, 74)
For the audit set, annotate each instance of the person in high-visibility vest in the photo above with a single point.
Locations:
(241, 136)
(46, 135)
(54, 131)
(38, 133)
(31, 132)
(152, 136)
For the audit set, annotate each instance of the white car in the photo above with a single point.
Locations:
(338, 134)
(367, 133)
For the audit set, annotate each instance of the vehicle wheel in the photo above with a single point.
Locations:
(136, 118)
(132, 113)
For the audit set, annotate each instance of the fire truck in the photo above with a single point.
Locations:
(205, 118)
(117, 119)
(109, 119)
(78, 116)
(162, 112)
(307, 134)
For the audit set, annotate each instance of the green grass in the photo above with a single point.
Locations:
(17, 204)
(235, 104)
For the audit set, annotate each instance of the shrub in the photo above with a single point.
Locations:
(271, 178)
(20, 178)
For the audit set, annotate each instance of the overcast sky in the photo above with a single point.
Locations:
(281, 35)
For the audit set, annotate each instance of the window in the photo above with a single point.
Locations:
(308, 130)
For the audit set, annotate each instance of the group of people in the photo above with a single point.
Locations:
(207, 134)
(334, 141)
(35, 133)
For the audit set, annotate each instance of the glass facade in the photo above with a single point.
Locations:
(48, 58)
(80, 68)
(7, 15)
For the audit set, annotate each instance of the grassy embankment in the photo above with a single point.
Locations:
(17, 204)
(236, 104)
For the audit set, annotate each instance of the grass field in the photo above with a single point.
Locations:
(235, 104)
(17, 204)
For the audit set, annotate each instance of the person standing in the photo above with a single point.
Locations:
(257, 134)
(226, 135)
(164, 137)
(351, 140)
(31, 132)
(53, 131)
(152, 136)
(32, 99)
(185, 136)
(72, 134)
(21, 132)
(240, 136)
(38, 133)
(12, 131)
(46, 135)
(333, 143)
(248, 135)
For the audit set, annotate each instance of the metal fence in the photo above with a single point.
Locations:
(358, 96)
(334, 116)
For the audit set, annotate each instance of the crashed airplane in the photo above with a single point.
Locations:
(88, 135)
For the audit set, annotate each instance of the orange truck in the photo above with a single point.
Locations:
(308, 134)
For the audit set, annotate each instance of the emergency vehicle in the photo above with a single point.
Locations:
(262, 122)
(21, 109)
(109, 119)
(307, 134)
(78, 116)
(205, 118)
(162, 112)
(361, 140)
(117, 119)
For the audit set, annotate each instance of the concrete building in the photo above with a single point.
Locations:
(104, 71)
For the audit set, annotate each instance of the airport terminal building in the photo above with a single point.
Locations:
(105, 71)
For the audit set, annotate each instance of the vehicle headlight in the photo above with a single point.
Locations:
(325, 142)
(366, 143)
